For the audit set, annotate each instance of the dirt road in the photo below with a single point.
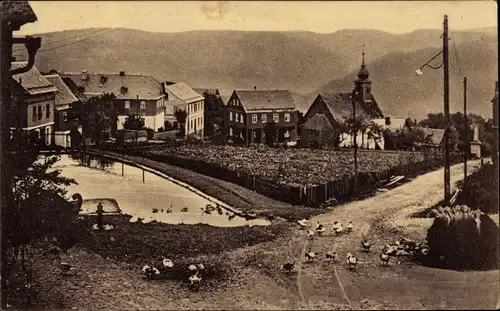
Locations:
(395, 286)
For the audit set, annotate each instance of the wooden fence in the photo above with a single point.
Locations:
(342, 189)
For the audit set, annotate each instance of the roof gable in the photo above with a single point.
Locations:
(127, 86)
(182, 91)
(64, 96)
(32, 81)
(265, 99)
(318, 122)
(340, 106)
(435, 136)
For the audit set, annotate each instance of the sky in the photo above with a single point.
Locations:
(320, 16)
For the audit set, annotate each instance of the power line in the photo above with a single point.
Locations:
(61, 40)
(71, 43)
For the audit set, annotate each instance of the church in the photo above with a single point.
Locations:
(325, 117)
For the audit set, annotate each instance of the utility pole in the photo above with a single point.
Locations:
(495, 129)
(354, 95)
(446, 98)
(466, 132)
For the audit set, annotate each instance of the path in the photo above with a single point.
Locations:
(424, 190)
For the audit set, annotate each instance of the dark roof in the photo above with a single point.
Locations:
(434, 135)
(18, 11)
(340, 106)
(318, 122)
(32, 81)
(182, 91)
(265, 99)
(127, 86)
(202, 91)
(64, 96)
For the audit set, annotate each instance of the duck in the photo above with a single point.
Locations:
(184, 209)
(231, 216)
(134, 219)
(167, 263)
(192, 268)
(65, 267)
(108, 227)
(310, 234)
(169, 210)
(331, 256)
(200, 267)
(150, 271)
(155, 210)
(366, 245)
(384, 258)
(352, 261)
(349, 227)
(194, 281)
(219, 210)
(302, 223)
(339, 229)
(95, 227)
(288, 267)
(310, 256)
(318, 226)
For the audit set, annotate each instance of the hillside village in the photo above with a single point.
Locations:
(125, 190)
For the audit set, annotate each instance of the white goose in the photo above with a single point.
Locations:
(167, 263)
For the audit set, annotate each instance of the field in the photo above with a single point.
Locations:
(293, 167)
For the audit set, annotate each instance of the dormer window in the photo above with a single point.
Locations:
(124, 90)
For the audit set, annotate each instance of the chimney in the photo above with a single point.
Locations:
(387, 120)
(85, 76)
(255, 87)
(122, 73)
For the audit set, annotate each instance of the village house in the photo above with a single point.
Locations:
(261, 116)
(336, 109)
(389, 139)
(64, 126)
(181, 97)
(36, 100)
(136, 94)
(214, 107)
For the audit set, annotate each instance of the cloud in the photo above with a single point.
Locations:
(215, 9)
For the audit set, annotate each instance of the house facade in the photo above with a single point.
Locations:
(64, 125)
(338, 107)
(36, 101)
(214, 108)
(261, 116)
(136, 94)
(182, 97)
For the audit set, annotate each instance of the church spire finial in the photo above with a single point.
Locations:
(363, 73)
(363, 61)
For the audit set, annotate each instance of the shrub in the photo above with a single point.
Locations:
(480, 190)
(462, 239)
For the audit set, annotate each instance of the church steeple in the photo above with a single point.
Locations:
(363, 73)
(363, 84)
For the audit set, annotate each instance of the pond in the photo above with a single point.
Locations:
(103, 181)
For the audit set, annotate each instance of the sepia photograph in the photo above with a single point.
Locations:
(249, 155)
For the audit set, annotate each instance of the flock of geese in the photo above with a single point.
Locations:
(195, 272)
(208, 209)
(401, 248)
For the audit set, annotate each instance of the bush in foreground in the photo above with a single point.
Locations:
(462, 239)
(480, 190)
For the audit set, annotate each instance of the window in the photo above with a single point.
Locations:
(47, 111)
(287, 117)
(264, 117)
(287, 134)
(39, 113)
(33, 114)
(230, 131)
(236, 117)
(254, 118)
(143, 105)
(230, 116)
(127, 104)
(241, 118)
(65, 117)
(175, 109)
(276, 117)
